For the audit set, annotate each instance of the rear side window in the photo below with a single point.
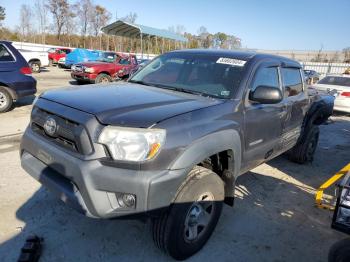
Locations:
(292, 82)
(5, 55)
(267, 76)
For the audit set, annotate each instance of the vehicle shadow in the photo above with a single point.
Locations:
(273, 220)
(76, 83)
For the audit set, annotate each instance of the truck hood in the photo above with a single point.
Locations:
(129, 104)
(95, 63)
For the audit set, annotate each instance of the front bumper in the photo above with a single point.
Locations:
(81, 76)
(91, 187)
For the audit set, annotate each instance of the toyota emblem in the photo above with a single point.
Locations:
(50, 126)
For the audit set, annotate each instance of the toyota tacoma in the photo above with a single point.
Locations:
(171, 142)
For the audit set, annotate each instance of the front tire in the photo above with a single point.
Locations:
(304, 150)
(188, 224)
(103, 78)
(6, 100)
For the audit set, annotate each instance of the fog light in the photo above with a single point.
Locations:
(127, 200)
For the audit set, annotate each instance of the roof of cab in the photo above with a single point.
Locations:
(243, 55)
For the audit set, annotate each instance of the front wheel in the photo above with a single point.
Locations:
(103, 78)
(188, 224)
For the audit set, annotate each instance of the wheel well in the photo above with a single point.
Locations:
(222, 164)
(34, 60)
(11, 91)
(106, 73)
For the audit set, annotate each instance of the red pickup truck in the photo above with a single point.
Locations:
(56, 53)
(108, 67)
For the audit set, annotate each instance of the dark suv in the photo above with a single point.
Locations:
(15, 76)
(172, 141)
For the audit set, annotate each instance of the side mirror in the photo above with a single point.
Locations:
(266, 95)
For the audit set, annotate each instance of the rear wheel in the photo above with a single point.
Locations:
(35, 66)
(187, 225)
(304, 150)
(103, 78)
(6, 100)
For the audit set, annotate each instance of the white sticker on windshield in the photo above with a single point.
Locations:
(231, 61)
(225, 93)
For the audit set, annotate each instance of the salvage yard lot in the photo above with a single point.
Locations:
(274, 218)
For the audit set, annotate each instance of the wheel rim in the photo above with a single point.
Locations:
(35, 67)
(3, 100)
(198, 217)
(104, 80)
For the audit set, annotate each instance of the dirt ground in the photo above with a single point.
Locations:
(274, 218)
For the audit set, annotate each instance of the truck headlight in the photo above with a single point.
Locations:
(132, 144)
(88, 70)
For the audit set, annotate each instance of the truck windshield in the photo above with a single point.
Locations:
(107, 57)
(209, 75)
(335, 80)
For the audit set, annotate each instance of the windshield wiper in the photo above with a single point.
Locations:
(140, 82)
(179, 89)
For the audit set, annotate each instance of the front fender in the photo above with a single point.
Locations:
(209, 145)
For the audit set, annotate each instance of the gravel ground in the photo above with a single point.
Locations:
(274, 218)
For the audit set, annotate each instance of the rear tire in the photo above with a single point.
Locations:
(304, 150)
(6, 100)
(340, 251)
(183, 230)
(103, 78)
(35, 66)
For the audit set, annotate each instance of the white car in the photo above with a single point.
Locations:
(35, 59)
(341, 86)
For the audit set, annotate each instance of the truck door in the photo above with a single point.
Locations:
(297, 103)
(263, 123)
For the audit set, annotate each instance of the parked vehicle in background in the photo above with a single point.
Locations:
(311, 76)
(170, 143)
(56, 53)
(15, 76)
(109, 66)
(81, 55)
(36, 59)
(62, 63)
(341, 86)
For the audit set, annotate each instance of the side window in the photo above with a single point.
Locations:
(292, 82)
(5, 55)
(267, 76)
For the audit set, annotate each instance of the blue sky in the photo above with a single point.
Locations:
(269, 24)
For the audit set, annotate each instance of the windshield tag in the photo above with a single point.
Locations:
(231, 61)
(225, 93)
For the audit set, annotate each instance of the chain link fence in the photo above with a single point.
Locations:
(326, 68)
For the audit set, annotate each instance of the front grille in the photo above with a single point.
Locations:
(77, 68)
(69, 134)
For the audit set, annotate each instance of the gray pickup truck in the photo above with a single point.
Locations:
(171, 142)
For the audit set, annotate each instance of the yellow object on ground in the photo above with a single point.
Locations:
(327, 184)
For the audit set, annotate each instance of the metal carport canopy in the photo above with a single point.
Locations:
(122, 28)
